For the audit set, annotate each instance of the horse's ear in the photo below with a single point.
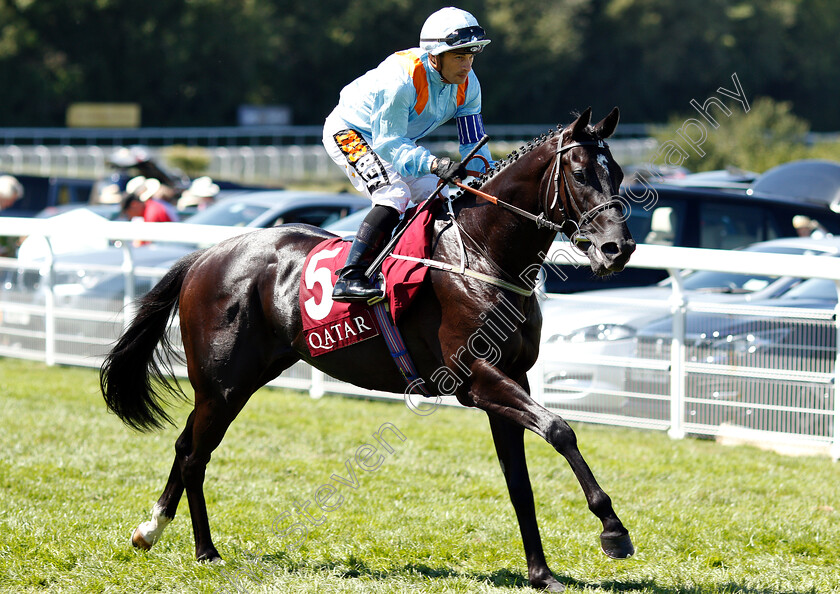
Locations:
(606, 127)
(581, 123)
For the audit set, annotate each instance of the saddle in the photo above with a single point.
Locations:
(329, 325)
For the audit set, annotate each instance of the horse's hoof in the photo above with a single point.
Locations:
(617, 547)
(138, 542)
(550, 586)
(210, 557)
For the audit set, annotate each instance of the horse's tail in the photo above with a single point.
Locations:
(134, 375)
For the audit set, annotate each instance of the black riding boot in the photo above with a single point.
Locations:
(375, 230)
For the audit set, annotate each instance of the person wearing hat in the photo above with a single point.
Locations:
(201, 193)
(11, 191)
(140, 201)
(373, 131)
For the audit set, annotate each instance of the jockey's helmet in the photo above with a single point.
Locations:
(452, 29)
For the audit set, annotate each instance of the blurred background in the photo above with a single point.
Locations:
(196, 63)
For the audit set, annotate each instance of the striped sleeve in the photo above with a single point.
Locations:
(470, 128)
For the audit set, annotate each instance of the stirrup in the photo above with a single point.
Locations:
(376, 289)
(381, 297)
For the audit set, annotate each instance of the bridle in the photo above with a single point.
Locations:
(576, 235)
(576, 232)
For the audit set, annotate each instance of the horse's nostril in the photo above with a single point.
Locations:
(610, 248)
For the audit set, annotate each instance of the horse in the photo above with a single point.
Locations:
(240, 322)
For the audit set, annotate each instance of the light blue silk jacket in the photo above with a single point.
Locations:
(404, 99)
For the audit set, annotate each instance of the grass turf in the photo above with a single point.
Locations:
(432, 515)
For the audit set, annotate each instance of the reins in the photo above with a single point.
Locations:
(541, 220)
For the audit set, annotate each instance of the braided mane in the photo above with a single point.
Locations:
(516, 154)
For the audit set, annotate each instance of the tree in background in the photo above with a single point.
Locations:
(185, 62)
(193, 62)
(767, 135)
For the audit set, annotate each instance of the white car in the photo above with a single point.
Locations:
(588, 337)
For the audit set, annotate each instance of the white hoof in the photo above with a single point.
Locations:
(138, 542)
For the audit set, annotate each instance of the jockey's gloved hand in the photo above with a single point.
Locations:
(449, 170)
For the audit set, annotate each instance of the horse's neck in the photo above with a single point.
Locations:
(514, 243)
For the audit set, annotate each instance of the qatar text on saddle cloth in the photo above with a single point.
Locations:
(329, 325)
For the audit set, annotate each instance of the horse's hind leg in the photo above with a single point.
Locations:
(204, 430)
(219, 396)
(510, 448)
(148, 533)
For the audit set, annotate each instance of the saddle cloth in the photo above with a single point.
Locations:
(329, 325)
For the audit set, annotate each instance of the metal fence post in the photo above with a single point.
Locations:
(316, 388)
(48, 276)
(249, 163)
(678, 380)
(129, 283)
(835, 444)
(44, 155)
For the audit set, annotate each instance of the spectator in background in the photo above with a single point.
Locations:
(201, 193)
(109, 194)
(11, 191)
(808, 227)
(141, 201)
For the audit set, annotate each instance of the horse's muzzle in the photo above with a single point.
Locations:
(610, 256)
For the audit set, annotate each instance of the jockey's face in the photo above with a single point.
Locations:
(453, 67)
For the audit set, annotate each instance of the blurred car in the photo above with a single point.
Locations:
(88, 290)
(269, 208)
(109, 212)
(349, 225)
(584, 332)
(765, 350)
(694, 216)
(730, 178)
(815, 180)
(266, 208)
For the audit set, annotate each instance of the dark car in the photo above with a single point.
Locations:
(815, 180)
(664, 214)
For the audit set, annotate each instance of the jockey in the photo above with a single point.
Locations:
(373, 131)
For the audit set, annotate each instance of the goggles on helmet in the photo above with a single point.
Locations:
(461, 36)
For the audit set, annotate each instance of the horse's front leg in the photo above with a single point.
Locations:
(510, 448)
(496, 393)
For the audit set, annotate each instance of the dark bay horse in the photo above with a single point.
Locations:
(241, 327)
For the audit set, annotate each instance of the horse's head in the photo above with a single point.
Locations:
(584, 197)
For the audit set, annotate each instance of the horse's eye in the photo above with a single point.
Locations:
(579, 176)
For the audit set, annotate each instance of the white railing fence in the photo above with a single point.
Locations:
(266, 165)
(724, 386)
